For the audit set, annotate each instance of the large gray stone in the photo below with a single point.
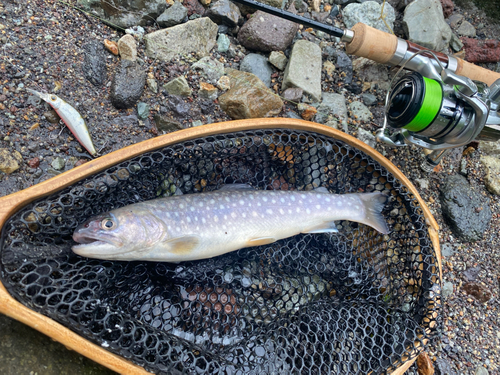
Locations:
(366, 137)
(369, 13)
(370, 71)
(304, 69)
(198, 36)
(490, 148)
(178, 86)
(424, 24)
(264, 32)
(465, 210)
(211, 69)
(491, 166)
(127, 85)
(94, 63)
(466, 29)
(249, 97)
(360, 111)
(224, 12)
(258, 65)
(173, 15)
(333, 110)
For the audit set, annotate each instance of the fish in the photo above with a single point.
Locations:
(73, 120)
(204, 225)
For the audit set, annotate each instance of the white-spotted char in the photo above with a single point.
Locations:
(199, 226)
(73, 120)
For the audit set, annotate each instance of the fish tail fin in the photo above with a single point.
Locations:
(374, 204)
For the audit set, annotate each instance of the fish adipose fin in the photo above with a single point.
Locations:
(325, 227)
(374, 204)
(183, 245)
(260, 241)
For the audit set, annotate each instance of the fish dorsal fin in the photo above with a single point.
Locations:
(325, 227)
(322, 190)
(183, 245)
(236, 187)
(260, 241)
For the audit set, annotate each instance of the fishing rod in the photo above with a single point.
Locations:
(437, 106)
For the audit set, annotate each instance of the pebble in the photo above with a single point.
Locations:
(211, 69)
(332, 110)
(152, 84)
(478, 291)
(306, 111)
(173, 15)
(447, 289)
(293, 94)
(34, 162)
(208, 91)
(447, 250)
(424, 364)
(138, 31)
(94, 63)
(278, 59)
(166, 125)
(142, 110)
(491, 166)
(224, 83)
(127, 85)
(196, 123)
(454, 20)
(360, 111)
(258, 65)
(58, 163)
(369, 13)
(466, 29)
(366, 137)
(10, 160)
(480, 370)
(329, 67)
(223, 43)
(127, 47)
(111, 46)
(369, 99)
(224, 12)
(51, 116)
(178, 86)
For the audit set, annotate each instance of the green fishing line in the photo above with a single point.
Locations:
(433, 97)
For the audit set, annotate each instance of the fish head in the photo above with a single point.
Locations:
(54, 101)
(116, 235)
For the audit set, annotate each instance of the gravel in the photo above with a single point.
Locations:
(42, 47)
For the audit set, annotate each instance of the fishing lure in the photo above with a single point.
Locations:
(73, 120)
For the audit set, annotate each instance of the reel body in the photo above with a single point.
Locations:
(440, 114)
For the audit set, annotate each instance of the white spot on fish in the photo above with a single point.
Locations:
(292, 198)
(289, 211)
(264, 199)
(181, 206)
(188, 219)
(225, 217)
(212, 201)
(339, 203)
(308, 211)
(224, 227)
(282, 200)
(349, 204)
(281, 211)
(203, 220)
(318, 206)
(259, 204)
(242, 202)
(192, 208)
(303, 196)
(329, 208)
(327, 199)
(227, 199)
(356, 207)
(244, 214)
(216, 218)
(254, 214)
(178, 229)
(200, 204)
(169, 227)
(298, 209)
(269, 211)
(221, 206)
(273, 200)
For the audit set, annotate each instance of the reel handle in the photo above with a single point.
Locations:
(383, 48)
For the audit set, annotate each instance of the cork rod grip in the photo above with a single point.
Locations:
(476, 73)
(371, 43)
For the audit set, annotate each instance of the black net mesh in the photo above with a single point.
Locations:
(346, 303)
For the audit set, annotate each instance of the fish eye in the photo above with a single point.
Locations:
(53, 98)
(108, 224)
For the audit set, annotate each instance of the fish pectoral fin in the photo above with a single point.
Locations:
(260, 241)
(325, 227)
(236, 187)
(182, 245)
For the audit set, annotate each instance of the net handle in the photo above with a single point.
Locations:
(10, 204)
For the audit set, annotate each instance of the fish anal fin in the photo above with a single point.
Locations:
(236, 187)
(182, 245)
(324, 227)
(260, 241)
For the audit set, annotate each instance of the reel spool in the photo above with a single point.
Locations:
(440, 114)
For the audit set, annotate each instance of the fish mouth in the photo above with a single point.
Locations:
(94, 243)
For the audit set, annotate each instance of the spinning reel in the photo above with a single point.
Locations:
(439, 111)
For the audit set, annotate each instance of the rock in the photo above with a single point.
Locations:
(490, 148)
(128, 13)
(127, 85)
(207, 91)
(249, 97)
(136, 31)
(366, 137)
(369, 14)
(211, 69)
(223, 43)
(466, 211)
(142, 110)
(491, 165)
(481, 51)
(304, 69)
(193, 36)
(34, 162)
(178, 86)
(51, 116)
(480, 370)
(332, 105)
(278, 59)
(258, 65)
(193, 7)
(166, 125)
(344, 65)
(58, 163)
(152, 84)
(471, 274)
(307, 112)
(224, 12)
(454, 19)
(447, 289)
(360, 111)
(264, 32)
(370, 71)
(442, 367)
(94, 63)
(179, 108)
(10, 160)
(196, 123)
(224, 83)
(129, 121)
(127, 47)
(455, 43)
(172, 16)
(111, 46)
(447, 250)
(329, 68)
(448, 7)
(424, 364)
(424, 24)
(293, 94)
(478, 291)
(466, 29)
(369, 99)
(245, 10)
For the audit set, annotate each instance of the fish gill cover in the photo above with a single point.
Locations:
(352, 302)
